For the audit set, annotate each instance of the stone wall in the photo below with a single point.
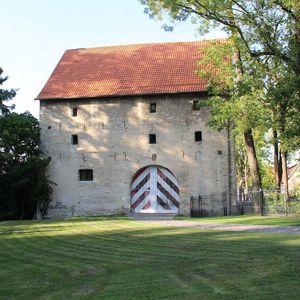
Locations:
(113, 135)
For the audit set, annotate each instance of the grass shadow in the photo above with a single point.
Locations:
(104, 258)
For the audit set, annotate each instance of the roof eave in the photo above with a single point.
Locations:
(122, 95)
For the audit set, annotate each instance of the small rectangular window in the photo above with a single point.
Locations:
(152, 138)
(74, 112)
(74, 139)
(196, 105)
(152, 107)
(85, 175)
(198, 136)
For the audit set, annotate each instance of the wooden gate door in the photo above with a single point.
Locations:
(155, 190)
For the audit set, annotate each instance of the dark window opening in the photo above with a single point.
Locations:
(74, 112)
(198, 136)
(74, 139)
(85, 175)
(152, 138)
(196, 105)
(152, 107)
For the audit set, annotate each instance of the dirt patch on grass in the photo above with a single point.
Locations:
(229, 227)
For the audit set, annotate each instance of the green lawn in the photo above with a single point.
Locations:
(245, 219)
(116, 258)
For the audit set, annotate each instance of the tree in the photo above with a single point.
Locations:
(237, 103)
(5, 95)
(284, 98)
(23, 181)
(265, 35)
(263, 28)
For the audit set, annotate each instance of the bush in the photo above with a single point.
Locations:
(275, 203)
(24, 185)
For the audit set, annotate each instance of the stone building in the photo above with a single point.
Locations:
(294, 176)
(124, 131)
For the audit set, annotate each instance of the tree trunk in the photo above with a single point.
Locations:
(277, 161)
(297, 70)
(38, 215)
(254, 170)
(246, 180)
(22, 210)
(285, 176)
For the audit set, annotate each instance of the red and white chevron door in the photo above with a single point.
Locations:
(155, 190)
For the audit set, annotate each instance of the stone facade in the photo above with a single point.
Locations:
(113, 141)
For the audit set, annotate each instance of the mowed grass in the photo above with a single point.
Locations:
(116, 258)
(251, 220)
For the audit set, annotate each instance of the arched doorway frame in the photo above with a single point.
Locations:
(154, 189)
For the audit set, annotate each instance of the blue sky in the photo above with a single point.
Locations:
(35, 33)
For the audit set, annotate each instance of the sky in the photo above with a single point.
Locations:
(35, 34)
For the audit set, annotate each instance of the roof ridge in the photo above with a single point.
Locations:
(204, 41)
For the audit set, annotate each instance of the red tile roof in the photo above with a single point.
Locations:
(126, 70)
(292, 169)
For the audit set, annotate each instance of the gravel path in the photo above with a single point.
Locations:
(228, 227)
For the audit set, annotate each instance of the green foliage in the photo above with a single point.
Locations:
(276, 203)
(236, 103)
(261, 86)
(19, 138)
(283, 95)
(23, 183)
(267, 176)
(262, 28)
(5, 95)
(254, 77)
(263, 155)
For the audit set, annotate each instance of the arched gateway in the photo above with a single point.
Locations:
(154, 189)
